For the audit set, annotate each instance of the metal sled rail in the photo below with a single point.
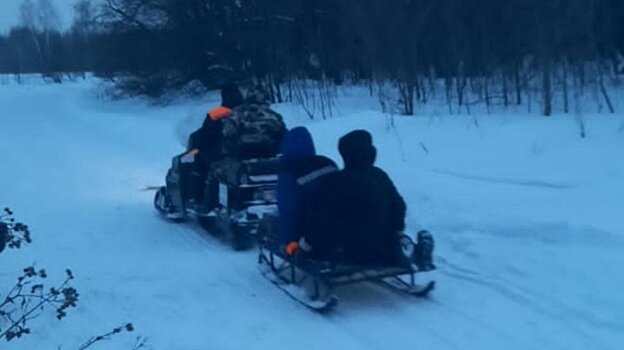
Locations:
(321, 278)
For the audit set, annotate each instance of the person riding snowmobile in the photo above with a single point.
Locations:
(186, 176)
(207, 139)
(299, 179)
(253, 131)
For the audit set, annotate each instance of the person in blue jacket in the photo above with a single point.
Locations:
(299, 179)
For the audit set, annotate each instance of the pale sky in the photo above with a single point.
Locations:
(9, 12)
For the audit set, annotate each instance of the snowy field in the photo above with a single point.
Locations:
(527, 217)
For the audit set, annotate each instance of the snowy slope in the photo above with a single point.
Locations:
(527, 218)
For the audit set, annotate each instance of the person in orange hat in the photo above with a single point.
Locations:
(185, 183)
(207, 139)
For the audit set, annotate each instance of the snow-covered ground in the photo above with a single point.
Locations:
(527, 217)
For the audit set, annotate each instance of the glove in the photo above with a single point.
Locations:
(291, 248)
(189, 157)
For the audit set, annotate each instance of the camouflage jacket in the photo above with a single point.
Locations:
(253, 131)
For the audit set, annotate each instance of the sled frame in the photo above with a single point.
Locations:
(294, 271)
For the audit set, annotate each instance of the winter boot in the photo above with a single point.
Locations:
(423, 251)
(169, 199)
(164, 204)
(211, 193)
(205, 198)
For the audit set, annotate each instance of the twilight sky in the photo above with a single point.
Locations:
(9, 12)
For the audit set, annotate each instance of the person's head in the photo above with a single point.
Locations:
(357, 150)
(298, 143)
(231, 96)
(257, 95)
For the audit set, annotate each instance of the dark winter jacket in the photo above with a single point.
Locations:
(359, 211)
(299, 178)
(208, 139)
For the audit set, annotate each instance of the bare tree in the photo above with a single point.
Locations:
(28, 14)
(48, 16)
(84, 18)
(28, 19)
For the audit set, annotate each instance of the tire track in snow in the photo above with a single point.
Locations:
(506, 181)
(541, 303)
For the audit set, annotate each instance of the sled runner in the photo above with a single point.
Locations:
(312, 283)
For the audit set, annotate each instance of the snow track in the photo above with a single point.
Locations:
(513, 182)
(529, 245)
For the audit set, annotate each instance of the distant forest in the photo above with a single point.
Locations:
(492, 52)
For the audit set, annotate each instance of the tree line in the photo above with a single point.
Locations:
(480, 51)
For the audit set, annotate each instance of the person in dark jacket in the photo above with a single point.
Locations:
(299, 179)
(359, 212)
(207, 140)
(185, 179)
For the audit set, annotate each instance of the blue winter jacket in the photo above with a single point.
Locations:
(298, 181)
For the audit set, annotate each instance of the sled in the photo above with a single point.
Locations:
(312, 283)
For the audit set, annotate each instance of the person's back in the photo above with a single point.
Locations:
(298, 181)
(208, 138)
(254, 130)
(185, 179)
(360, 212)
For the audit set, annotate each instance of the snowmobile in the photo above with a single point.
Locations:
(246, 192)
(312, 282)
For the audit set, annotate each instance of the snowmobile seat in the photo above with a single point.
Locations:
(235, 172)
